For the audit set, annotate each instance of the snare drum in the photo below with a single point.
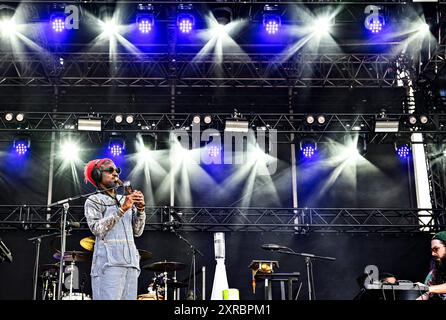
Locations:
(75, 296)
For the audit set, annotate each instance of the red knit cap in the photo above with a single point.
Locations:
(96, 163)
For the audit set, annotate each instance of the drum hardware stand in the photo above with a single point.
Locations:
(194, 253)
(165, 278)
(71, 269)
(66, 206)
(309, 267)
(38, 241)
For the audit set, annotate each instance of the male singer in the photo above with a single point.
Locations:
(114, 220)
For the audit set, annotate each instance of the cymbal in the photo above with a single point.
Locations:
(88, 243)
(73, 256)
(49, 267)
(145, 255)
(165, 266)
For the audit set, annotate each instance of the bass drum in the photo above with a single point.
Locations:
(75, 296)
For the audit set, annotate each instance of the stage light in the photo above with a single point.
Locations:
(196, 119)
(236, 126)
(207, 119)
(116, 146)
(21, 146)
(145, 18)
(424, 119)
(309, 119)
(412, 120)
(185, 22)
(271, 19)
(321, 119)
(110, 27)
(8, 26)
(384, 125)
(424, 28)
(57, 22)
(129, 119)
(213, 150)
(322, 26)
(145, 23)
(308, 148)
(69, 151)
(89, 124)
(402, 150)
(20, 117)
(9, 116)
(119, 118)
(7, 21)
(375, 20)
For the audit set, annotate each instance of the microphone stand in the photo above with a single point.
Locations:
(194, 252)
(66, 206)
(38, 240)
(309, 267)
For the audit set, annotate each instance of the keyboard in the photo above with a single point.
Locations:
(396, 286)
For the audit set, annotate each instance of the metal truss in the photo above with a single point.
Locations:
(244, 2)
(159, 70)
(297, 220)
(41, 124)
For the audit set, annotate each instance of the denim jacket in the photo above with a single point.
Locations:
(114, 246)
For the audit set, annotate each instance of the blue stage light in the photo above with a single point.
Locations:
(403, 151)
(271, 23)
(145, 23)
(308, 151)
(21, 146)
(57, 23)
(213, 151)
(185, 22)
(116, 146)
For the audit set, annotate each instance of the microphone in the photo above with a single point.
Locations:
(73, 224)
(273, 247)
(126, 184)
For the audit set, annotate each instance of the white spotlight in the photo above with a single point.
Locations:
(310, 119)
(321, 119)
(118, 118)
(424, 28)
(207, 119)
(20, 117)
(69, 151)
(9, 116)
(8, 26)
(196, 119)
(129, 119)
(110, 27)
(322, 26)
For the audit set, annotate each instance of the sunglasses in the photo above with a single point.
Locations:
(111, 170)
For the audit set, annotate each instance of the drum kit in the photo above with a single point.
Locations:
(164, 280)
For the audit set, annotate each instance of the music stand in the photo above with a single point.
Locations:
(282, 277)
(309, 264)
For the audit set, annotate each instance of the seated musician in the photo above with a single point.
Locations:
(436, 279)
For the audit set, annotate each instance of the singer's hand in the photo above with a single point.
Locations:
(128, 203)
(138, 198)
